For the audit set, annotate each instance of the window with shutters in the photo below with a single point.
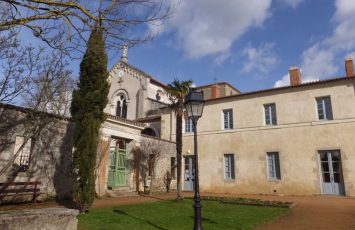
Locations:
(229, 173)
(273, 166)
(324, 108)
(270, 114)
(188, 125)
(228, 119)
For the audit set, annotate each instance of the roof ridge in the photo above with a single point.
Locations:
(323, 81)
(219, 83)
(139, 71)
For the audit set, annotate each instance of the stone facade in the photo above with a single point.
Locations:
(141, 92)
(45, 218)
(143, 97)
(50, 158)
(50, 153)
(43, 142)
(299, 137)
(274, 141)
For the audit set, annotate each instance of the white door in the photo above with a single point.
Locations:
(332, 178)
(189, 174)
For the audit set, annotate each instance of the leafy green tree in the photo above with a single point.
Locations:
(88, 103)
(177, 90)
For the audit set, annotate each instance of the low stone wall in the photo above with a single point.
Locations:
(50, 151)
(41, 219)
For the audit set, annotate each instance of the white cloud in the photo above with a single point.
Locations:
(318, 60)
(343, 35)
(222, 57)
(261, 59)
(291, 3)
(344, 9)
(155, 28)
(206, 27)
(284, 81)
(350, 55)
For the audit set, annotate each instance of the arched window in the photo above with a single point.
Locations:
(121, 107)
(149, 132)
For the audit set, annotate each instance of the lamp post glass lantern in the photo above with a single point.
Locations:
(194, 104)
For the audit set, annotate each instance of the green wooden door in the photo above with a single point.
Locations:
(117, 175)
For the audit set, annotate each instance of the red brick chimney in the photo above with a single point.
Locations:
(349, 67)
(215, 91)
(295, 76)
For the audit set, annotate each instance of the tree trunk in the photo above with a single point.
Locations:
(179, 154)
(137, 165)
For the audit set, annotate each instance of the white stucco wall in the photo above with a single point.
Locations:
(298, 137)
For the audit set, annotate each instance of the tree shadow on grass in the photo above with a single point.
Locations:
(120, 212)
(209, 221)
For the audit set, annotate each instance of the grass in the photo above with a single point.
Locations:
(171, 215)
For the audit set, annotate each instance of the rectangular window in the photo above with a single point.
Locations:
(188, 125)
(229, 167)
(273, 165)
(228, 119)
(173, 167)
(324, 108)
(270, 114)
(23, 158)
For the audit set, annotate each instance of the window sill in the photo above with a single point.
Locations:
(322, 122)
(274, 180)
(229, 180)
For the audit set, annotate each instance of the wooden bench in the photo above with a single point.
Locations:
(20, 189)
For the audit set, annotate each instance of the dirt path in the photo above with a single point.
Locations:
(107, 202)
(316, 212)
(309, 212)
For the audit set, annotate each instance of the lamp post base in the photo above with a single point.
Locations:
(197, 219)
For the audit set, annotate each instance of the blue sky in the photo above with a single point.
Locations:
(250, 44)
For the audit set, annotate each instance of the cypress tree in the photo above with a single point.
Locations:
(87, 106)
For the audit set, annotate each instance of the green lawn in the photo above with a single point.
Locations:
(172, 215)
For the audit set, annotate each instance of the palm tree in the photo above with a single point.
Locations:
(177, 91)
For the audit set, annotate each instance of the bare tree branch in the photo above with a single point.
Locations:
(30, 77)
(62, 24)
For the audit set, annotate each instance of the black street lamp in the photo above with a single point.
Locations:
(194, 107)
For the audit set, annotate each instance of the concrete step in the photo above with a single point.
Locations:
(121, 188)
(115, 192)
